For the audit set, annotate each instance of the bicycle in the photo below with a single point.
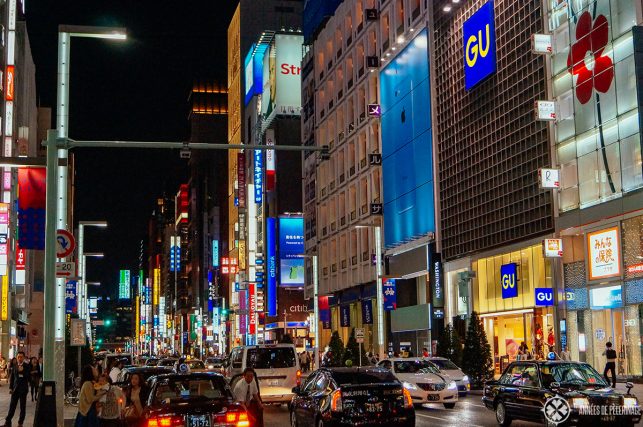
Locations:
(72, 397)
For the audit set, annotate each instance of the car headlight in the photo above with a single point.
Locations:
(409, 386)
(465, 379)
(210, 366)
(580, 402)
(630, 402)
(452, 386)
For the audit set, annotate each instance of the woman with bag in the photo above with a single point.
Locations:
(136, 401)
(87, 414)
(112, 403)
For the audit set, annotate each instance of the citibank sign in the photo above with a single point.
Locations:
(479, 36)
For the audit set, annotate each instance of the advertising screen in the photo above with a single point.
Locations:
(271, 249)
(282, 76)
(124, 285)
(291, 249)
(608, 297)
(407, 159)
(253, 71)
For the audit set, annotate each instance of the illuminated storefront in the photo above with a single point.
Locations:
(514, 296)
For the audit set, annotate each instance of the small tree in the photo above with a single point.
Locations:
(476, 361)
(352, 351)
(449, 345)
(336, 348)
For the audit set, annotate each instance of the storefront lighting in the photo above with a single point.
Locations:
(504, 313)
(447, 8)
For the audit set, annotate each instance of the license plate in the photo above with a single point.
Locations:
(433, 397)
(374, 407)
(198, 421)
(273, 382)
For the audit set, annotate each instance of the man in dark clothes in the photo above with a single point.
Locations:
(19, 388)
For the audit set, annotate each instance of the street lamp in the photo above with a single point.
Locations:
(56, 213)
(82, 286)
(380, 297)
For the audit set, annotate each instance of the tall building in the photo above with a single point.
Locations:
(252, 22)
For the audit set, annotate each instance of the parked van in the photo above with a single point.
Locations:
(276, 366)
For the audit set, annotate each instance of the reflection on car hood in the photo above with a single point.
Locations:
(423, 378)
(454, 374)
(593, 393)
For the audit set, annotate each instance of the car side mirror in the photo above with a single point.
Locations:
(629, 387)
(296, 390)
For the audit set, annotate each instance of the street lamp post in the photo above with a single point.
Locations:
(82, 286)
(56, 213)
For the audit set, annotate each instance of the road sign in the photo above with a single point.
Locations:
(77, 332)
(65, 243)
(359, 335)
(66, 269)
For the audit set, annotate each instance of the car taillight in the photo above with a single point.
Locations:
(408, 401)
(298, 377)
(233, 419)
(165, 422)
(336, 401)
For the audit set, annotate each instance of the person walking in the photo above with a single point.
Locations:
(246, 391)
(610, 365)
(304, 361)
(87, 412)
(116, 370)
(136, 400)
(34, 380)
(19, 387)
(3, 368)
(111, 404)
(565, 355)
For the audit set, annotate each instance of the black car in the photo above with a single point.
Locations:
(201, 399)
(144, 371)
(351, 397)
(558, 393)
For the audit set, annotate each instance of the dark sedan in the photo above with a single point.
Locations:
(351, 397)
(193, 400)
(558, 393)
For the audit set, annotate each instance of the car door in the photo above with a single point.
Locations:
(510, 389)
(530, 393)
(304, 403)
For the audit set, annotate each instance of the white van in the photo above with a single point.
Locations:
(276, 366)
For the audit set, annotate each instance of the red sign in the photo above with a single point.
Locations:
(225, 261)
(233, 261)
(241, 179)
(252, 309)
(635, 269)
(8, 83)
(225, 269)
(21, 256)
(183, 203)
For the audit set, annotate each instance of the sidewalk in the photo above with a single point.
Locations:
(5, 400)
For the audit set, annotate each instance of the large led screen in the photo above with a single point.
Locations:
(407, 160)
(282, 76)
(291, 251)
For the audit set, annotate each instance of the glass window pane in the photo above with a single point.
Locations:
(631, 163)
(587, 177)
(625, 85)
(623, 16)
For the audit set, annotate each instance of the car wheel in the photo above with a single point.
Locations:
(501, 414)
(293, 419)
(449, 405)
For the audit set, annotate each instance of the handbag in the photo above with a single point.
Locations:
(129, 414)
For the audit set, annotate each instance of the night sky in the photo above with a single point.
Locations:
(132, 90)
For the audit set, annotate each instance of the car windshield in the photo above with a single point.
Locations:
(271, 358)
(195, 364)
(363, 377)
(411, 366)
(171, 389)
(571, 373)
(152, 362)
(166, 362)
(213, 361)
(444, 364)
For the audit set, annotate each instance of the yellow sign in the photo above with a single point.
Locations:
(4, 312)
(157, 281)
(242, 254)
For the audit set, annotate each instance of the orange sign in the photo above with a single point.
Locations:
(8, 83)
(604, 253)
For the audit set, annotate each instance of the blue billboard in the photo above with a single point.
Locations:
(544, 297)
(390, 295)
(479, 40)
(258, 174)
(509, 280)
(407, 147)
(70, 297)
(291, 251)
(272, 267)
(253, 71)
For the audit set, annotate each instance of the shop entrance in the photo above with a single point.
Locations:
(609, 325)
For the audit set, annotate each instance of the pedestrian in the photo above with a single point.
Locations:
(3, 368)
(523, 352)
(425, 352)
(565, 354)
(246, 391)
(136, 400)
(19, 387)
(111, 404)
(34, 380)
(87, 412)
(610, 355)
(116, 370)
(304, 360)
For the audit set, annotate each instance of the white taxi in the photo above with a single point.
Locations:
(424, 382)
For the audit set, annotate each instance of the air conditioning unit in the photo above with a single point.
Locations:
(372, 14)
(373, 61)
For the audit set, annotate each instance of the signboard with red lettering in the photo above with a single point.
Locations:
(604, 254)
(252, 308)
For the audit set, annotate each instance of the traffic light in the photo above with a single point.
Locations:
(224, 312)
(99, 341)
(108, 322)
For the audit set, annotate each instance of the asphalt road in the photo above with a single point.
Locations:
(469, 412)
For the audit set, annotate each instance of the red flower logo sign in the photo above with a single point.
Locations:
(590, 41)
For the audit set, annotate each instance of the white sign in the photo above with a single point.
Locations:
(77, 332)
(282, 76)
(359, 335)
(66, 269)
(604, 254)
(549, 178)
(553, 248)
(270, 154)
(545, 110)
(541, 44)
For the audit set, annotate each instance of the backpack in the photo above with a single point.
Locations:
(110, 408)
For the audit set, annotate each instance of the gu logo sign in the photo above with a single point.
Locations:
(544, 297)
(509, 280)
(479, 36)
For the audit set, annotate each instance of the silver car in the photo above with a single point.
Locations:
(454, 372)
